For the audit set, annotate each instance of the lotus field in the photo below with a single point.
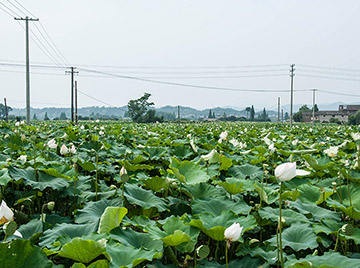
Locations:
(107, 194)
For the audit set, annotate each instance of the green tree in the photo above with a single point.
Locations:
(355, 118)
(2, 110)
(46, 118)
(35, 117)
(139, 110)
(286, 116)
(210, 114)
(63, 116)
(252, 113)
(298, 116)
(247, 109)
(316, 108)
(224, 115)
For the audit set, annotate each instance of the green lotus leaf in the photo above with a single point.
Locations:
(216, 206)
(92, 211)
(245, 171)
(188, 172)
(311, 194)
(203, 190)
(4, 177)
(111, 218)
(82, 250)
(327, 226)
(135, 239)
(21, 254)
(298, 236)
(71, 230)
(99, 264)
(172, 224)
(43, 181)
(288, 215)
(329, 259)
(143, 198)
(177, 238)
(157, 184)
(182, 152)
(128, 256)
(232, 186)
(155, 153)
(317, 212)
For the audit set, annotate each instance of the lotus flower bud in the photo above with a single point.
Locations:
(50, 205)
(72, 149)
(64, 150)
(233, 232)
(124, 175)
(52, 144)
(6, 214)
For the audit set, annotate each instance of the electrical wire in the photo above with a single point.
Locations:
(182, 84)
(329, 68)
(91, 97)
(337, 93)
(6, 11)
(11, 11)
(329, 77)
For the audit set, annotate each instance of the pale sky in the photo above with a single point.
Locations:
(173, 38)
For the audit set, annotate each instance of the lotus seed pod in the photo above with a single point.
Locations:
(203, 251)
(50, 205)
(348, 229)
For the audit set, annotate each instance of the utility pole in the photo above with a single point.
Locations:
(313, 109)
(179, 113)
(278, 109)
(76, 104)
(292, 69)
(27, 19)
(6, 111)
(282, 115)
(72, 72)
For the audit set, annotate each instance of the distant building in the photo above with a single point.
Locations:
(343, 114)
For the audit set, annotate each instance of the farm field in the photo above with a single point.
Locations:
(106, 194)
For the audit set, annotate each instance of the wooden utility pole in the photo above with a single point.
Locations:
(278, 109)
(27, 19)
(72, 72)
(292, 69)
(76, 104)
(6, 111)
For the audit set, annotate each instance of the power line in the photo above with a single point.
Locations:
(7, 12)
(182, 84)
(25, 8)
(329, 68)
(337, 93)
(329, 77)
(91, 97)
(12, 11)
(329, 72)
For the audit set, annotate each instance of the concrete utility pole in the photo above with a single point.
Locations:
(282, 115)
(313, 109)
(76, 106)
(278, 109)
(6, 111)
(72, 72)
(292, 92)
(27, 19)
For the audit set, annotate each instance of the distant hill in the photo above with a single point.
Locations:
(185, 112)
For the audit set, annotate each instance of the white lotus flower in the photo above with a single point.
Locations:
(97, 120)
(223, 135)
(272, 147)
(295, 142)
(332, 151)
(188, 136)
(82, 127)
(212, 157)
(287, 171)
(17, 124)
(6, 213)
(123, 171)
(52, 144)
(22, 157)
(101, 132)
(17, 233)
(233, 232)
(355, 136)
(73, 149)
(64, 150)
(22, 122)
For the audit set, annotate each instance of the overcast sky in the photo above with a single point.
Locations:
(178, 40)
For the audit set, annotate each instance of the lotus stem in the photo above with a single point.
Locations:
(96, 176)
(280, 223)
(337, 239)
(226, 255)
